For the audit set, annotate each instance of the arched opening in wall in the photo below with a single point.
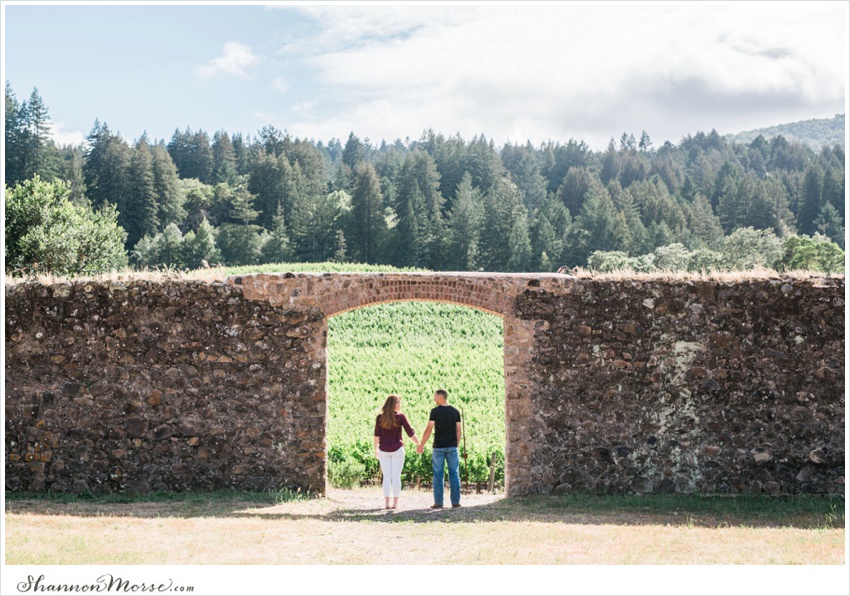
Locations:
(412, 349)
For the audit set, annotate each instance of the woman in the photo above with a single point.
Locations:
(389, 446)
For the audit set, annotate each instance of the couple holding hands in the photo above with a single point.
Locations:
(445, 424)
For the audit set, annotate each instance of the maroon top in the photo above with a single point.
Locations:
(390, 438)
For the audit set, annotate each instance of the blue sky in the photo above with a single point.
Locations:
(513, 72)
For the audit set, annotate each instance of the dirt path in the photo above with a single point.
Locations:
(412, 503)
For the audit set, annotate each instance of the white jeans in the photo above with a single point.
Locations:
(391, 465)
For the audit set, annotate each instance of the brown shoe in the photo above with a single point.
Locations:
(455, 504)
(435, 506)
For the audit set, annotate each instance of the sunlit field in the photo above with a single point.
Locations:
(351, 527)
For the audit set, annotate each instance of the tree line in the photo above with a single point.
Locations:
(437, 202)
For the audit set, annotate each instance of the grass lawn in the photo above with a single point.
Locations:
(351, 527)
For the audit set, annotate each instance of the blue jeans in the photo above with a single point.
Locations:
(439, 457)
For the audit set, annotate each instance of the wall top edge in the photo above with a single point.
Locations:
(240, 279)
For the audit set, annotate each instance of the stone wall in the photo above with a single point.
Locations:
(174, 386)
(686, 387)
(611, 386)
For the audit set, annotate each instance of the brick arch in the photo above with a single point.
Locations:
(459, 292)
(336, 293)
(331, 294)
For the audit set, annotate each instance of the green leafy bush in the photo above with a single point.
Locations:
(47, 233)
(346, 473)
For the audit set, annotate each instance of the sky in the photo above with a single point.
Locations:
(513, 72)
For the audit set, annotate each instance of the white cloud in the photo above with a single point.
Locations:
(304, 108)
(63, 136)
(345, 26)
(236, 59)
(280, 85)
(585, 71)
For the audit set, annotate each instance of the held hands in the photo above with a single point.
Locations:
(420, 448)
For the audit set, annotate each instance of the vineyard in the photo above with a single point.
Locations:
(413, 348)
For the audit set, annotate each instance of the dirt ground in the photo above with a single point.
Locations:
(352, 527)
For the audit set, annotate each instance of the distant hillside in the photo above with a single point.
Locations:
(814, 133)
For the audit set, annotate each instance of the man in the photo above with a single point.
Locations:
(445, 422)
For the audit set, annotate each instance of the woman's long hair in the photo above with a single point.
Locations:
(388, 419)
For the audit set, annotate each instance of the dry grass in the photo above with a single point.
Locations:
(351, 528)
(758, 273)
(125, 275)
(220, 273)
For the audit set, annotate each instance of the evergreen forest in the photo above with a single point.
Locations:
(437, 202)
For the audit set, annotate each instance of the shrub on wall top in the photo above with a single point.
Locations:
(47, 233)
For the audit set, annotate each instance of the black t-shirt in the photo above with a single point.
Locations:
(445, 425)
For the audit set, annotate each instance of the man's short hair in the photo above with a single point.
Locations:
(442, 392)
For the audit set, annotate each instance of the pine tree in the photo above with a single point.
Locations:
(812, 201)
(436, 238)
(556, 160)
(544, 241)
(767, 206)
(625, 203)
(482, 161)
(830, 223)
(464, 225)
(166, 187)
(354, 152)
(266, 183)
(198, 248)
(575, 187)
(656, 204)
(833, 189)
(727, 176)
(341, 252)
(367, 224)
(179, 150)
(410, 245)
(294, 187)
(315, 222)
(419, 171)
(530, 182)
(599, 226)
(519, 244)
(240, 154)
(242, 207)
(502, 209)
(241, 243)
(15, 137)
(659, 234)
(276, 249)
(705, 226)
(224, 159)
(106, 167)
(731, 208)
(559, 217)
(139, 209)
(39, 160)
(276, 184)
(201, 158)
(272, 141)
(168, 249)
(311, 165)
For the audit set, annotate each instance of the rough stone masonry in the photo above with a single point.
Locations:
(611, 386)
